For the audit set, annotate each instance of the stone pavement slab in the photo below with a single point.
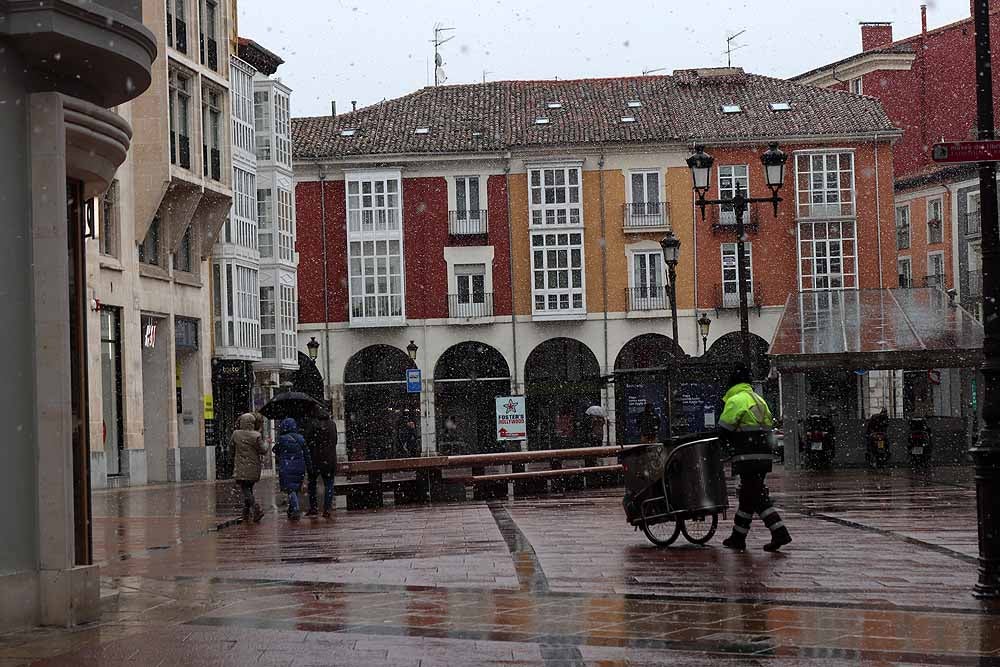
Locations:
(880, 573)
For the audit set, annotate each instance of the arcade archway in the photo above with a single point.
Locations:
(644, 370)
(377, 406)
(562, 379)
(467, 379)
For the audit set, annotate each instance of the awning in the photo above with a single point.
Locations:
(874, 329)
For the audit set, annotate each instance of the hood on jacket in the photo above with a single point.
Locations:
(736, 389)
(246, 422)
(288, 425)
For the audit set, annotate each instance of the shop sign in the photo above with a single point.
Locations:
(511, 418)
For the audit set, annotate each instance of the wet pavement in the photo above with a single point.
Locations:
(880, 572)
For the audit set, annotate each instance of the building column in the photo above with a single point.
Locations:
(68, 594)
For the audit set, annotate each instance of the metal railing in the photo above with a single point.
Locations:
(724, 220)
(643, 215)
(466, 306)
(902, 238)
(728, 296)
(652, 297)
(468, 223)
(973, 223)
(936, 280)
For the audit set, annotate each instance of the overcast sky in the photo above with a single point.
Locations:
(367, 50)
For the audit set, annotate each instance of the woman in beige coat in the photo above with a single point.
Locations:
(248, 448)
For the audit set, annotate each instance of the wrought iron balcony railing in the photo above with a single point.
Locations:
(723, 219)
(727, 296)
(468, 223)
(645, 215)
(974, 280)
(471, 305)
(936, 280)
(646, 298)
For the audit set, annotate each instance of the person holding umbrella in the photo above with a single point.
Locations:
(292, 458)
(248, 448)
(321, 440)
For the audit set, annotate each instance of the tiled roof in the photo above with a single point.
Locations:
(683, 107)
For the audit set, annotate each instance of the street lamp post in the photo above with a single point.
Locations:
(411, 350)
(986, 453)
(671, 246)
(313, 347)
(704, 324)
(773, 161)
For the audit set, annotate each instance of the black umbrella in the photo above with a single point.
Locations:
(293, 404)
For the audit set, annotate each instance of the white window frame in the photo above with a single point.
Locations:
(908, 262)
(944, 268)
(374, 223)
(729, 250)
(263, 114)
(265, 221)
(848, 275)
(287, 312)
(903, 208)
(285, 223)
(857, 86)
(656, 201)
(468, 221)
(282, 128)
(649, 296)
(551, 221)
(269, 321)
(805, 207)
(969, 198)
(727, 216)
(455, 256)
(939, 200)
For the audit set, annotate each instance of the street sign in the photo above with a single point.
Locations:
(967, 151)
(413, 380)
(511, 419)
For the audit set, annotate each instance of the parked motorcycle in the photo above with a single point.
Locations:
(816, 444)
(877, 449)
(921, 443)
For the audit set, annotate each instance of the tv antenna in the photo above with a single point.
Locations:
(485, 72)
(647, 72)
(730, 48)
(438, 41)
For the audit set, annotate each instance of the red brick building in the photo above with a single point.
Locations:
(926, 84)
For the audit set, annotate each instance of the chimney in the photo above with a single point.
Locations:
(875, 35)
(354, 105)
(333, 107)
(923, 19)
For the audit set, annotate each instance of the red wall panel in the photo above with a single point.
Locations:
(309, 244)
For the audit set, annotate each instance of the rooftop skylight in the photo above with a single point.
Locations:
(780, 106)
(347, 132)
(633, 104)
(422, 130)
(731, 108)
(628, 119)
(541, 120)
(553, 105)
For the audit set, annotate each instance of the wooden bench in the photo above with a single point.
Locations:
(430, 482)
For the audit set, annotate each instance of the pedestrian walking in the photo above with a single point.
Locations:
(292, 459)
(746, 423)
(597, 417)
(409, 438)
(649, 424)
(320, 433)
(248, 448)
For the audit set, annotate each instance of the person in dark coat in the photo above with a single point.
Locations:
(292, 459)
(409, 438)
(649, 424)
(320, 433)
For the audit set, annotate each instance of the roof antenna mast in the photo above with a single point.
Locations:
(730, 48)
(439, 40)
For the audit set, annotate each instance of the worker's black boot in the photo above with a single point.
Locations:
(779, 534)
(736, 542)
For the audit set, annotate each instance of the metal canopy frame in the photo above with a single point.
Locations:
(875, 329)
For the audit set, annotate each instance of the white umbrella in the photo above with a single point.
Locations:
(596, 411)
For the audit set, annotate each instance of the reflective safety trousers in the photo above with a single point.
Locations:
(748, 423)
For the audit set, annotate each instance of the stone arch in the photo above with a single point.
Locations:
(562, 379)
(377, 407)
(468, 377)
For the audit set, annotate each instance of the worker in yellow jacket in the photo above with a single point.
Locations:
(746, 423)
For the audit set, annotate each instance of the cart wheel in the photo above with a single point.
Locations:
(663, 534)
(699, 530)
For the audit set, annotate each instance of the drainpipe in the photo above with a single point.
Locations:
(510, 262)
(326, 281)
(878, 218)
(604, 281)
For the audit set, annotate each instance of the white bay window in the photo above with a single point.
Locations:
(824, 184)
(375, 247)
(828, 255)
(556, 228)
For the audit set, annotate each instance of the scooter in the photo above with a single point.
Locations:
(816, 443)
(877, 450)
(921, 443)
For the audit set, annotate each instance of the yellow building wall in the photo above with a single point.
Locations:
(679, 194)
(678, 191)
